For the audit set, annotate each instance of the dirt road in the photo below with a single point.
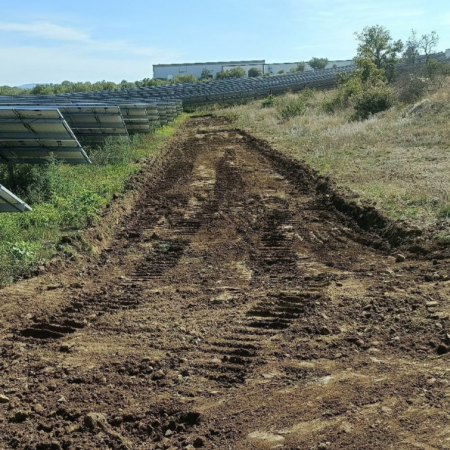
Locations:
(235, 309)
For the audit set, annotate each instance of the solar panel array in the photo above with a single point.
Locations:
(34, 126)
(31, 135)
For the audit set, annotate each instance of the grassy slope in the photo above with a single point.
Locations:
(78, 195)
(399, 158)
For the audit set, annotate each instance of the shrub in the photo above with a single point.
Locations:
(280, 72)
(268, 102)
(299, 68)
(292, 107)
(186, 78)
(254, 72)
(112, 152)
(372, 100)
(236, 72)
(410, 87)
(206, 74)
(34, 182)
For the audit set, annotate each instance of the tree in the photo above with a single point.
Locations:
(280, 72)
(412, 48)
(318, 63)
(300, 67)
(428, 42)
(254, 72)
(377, 45)
(206, 74)
(185, 78)
(236, 72)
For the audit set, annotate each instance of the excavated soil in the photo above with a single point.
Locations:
(236, 308)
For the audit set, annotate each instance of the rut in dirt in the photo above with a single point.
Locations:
(236, 308)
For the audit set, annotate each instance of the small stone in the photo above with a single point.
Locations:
(61, 399)
(322, 446)
(65, 348)
(168, 433)
(325, 331)
(400, 258)
(429, 277)
(38, 408)
(158, 375)
(4, 399)
(431, 304)
(95, 420)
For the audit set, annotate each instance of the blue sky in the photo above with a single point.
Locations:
(52, 41)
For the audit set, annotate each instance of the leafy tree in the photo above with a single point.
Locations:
(235, 72)
(254, 72)
(318, 63)
(377, 45)
(412, 48)
(206, 74)
(428, 43)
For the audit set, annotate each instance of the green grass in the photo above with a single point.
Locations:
(66, 199)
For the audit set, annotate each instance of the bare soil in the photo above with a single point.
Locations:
(236, 308)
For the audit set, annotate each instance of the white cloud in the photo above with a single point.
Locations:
(73, 55)
(47, 30)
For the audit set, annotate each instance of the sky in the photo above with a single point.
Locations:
(48, 41)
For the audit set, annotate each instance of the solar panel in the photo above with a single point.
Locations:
(10, 203)
(135, 118)
(93, 124)
(31, 135)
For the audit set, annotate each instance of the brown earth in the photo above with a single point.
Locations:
(236, 308)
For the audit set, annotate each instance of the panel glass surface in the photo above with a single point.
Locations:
(31, 135)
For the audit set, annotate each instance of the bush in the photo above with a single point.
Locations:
(268, 102)
(254, 72)
(206, 74)
(187, 78)
(299, 68)
(410, 87)
(372, 100)
(281, 72)
(34, 182)
(112, 152)
(236, 72)
(292, 107)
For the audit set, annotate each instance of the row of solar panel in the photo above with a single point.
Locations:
(87, 118)
(31, 133)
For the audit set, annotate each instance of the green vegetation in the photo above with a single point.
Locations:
(254, 72)
(66, 199)
(206, 75)
(299, 68)
(377, 45)
(318, 63)
(236, 72)
(383, 134)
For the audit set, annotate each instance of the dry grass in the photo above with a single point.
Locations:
(399, 158)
